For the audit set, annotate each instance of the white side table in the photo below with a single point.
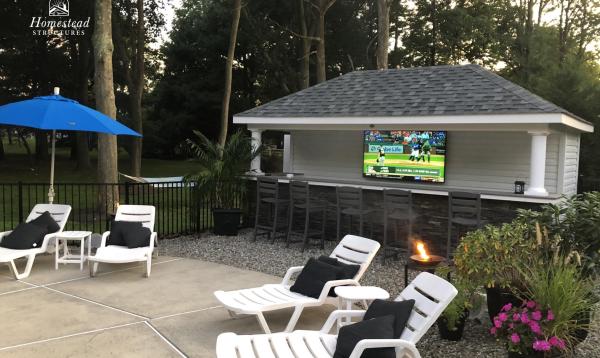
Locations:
(351, 294)
(67, 257)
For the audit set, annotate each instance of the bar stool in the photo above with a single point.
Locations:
(464, 211)
(300, 200)
(350, 203)
(268, 194)
(397, 209)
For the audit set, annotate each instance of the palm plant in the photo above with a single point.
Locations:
(221, 170)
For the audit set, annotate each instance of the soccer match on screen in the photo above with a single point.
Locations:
(405, 155)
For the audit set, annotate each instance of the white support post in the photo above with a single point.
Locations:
(256, 141)
(287, 154)
(537, 166)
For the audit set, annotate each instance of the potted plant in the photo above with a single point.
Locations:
(492, 257)
(451, 323)
(220, 176)
(527, 330)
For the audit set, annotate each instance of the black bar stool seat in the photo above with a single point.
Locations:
(464, 210)
(302, 202)
(268, 195)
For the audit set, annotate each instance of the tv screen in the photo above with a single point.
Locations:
(405, 155)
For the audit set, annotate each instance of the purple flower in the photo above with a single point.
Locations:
(557, 342)
(536, 315)
(550, 315)
(541, 345)
(535, 327)
(531, 304)
(515, 338)
(502, 317)
(493, 330)
(524, 318)
(507, 307)
(497, 323)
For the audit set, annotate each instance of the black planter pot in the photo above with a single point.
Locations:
(531, 355)
(497, 298)
(581, 334)
(226, 221)
(455, 335)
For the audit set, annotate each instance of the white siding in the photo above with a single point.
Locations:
(571, 164)
(486, 161)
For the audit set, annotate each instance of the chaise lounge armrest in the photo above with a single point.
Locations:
(338, 314)
(3, 234)
(288, 275)
(402, 347)
(335, 283)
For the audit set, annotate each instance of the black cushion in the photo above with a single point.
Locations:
(118, 230)
(401, 310)
(376, 328)
(46, 221)
(348, 271)
(137, 237)
(313, 277)
(24, 236)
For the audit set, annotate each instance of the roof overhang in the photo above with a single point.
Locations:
(481, 122)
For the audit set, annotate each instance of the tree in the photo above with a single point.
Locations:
(321, 7)
(105, 100)
(237, 9)
(383, 32)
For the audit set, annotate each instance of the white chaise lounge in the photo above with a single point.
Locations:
(115, 254)
(431, 294)
(60, 214)
(255, 301)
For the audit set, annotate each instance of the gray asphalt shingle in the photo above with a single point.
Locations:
(437, 90)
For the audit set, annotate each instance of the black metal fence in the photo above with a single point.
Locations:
(180, 209)
(586, 184)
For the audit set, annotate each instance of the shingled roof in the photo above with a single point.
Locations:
(436, 90)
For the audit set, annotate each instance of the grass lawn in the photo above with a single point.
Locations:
(404, 166)
(17, 167)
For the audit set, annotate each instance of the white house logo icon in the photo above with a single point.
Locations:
(58, 8)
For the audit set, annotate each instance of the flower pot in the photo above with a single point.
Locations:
(581, 334)
(226, 221)
(527, 355)
(452, 335)
(497, 298)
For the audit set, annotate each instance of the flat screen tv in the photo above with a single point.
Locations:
(405, 155)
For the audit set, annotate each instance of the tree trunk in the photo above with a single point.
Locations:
(83, 151)
(306, 44)
(237, 9)
(41, 146)
(27, 148)
(383, 33)
(433, 33)
(136, 92)
(321, 65)
(105, 102)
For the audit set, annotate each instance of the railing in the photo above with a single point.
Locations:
(180, 209)
(586, 184)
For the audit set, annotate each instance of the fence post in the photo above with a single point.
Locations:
(126, 193)
(197, 205)
(20, 202)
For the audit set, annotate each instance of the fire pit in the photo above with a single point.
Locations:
(423, 258)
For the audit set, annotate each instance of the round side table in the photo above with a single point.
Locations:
(351, 294)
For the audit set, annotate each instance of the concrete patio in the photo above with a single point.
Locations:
(64, 313)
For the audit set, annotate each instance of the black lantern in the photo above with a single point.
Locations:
(519, 187)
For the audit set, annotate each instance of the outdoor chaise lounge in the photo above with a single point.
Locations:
(60, 214)
(431, 294)
(255, 301)
(117, 254)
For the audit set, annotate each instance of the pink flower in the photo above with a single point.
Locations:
(493, 330)
(535, 327)
(550, 315)
(516, 317)
(515, 338)
(511, 325)
(536, 315)
(557, 342)
(541, 345)
(497, 323)
(531, 304)
(524, 318)
(502, 317)
(507, 307)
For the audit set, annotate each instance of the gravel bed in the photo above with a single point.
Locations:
(275, 259)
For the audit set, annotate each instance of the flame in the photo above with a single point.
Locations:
(422, 252)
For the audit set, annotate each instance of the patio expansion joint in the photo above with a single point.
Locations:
(165, 339)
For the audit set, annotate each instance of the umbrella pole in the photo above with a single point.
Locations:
(51, 189)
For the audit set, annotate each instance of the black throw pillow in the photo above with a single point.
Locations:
(46, 221)
(401, 310)
(376, 328)
(24, 236)
(313, 277)
(348, 271)
(137, 237)
(118, 230)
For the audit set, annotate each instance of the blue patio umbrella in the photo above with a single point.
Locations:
(59, 113)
